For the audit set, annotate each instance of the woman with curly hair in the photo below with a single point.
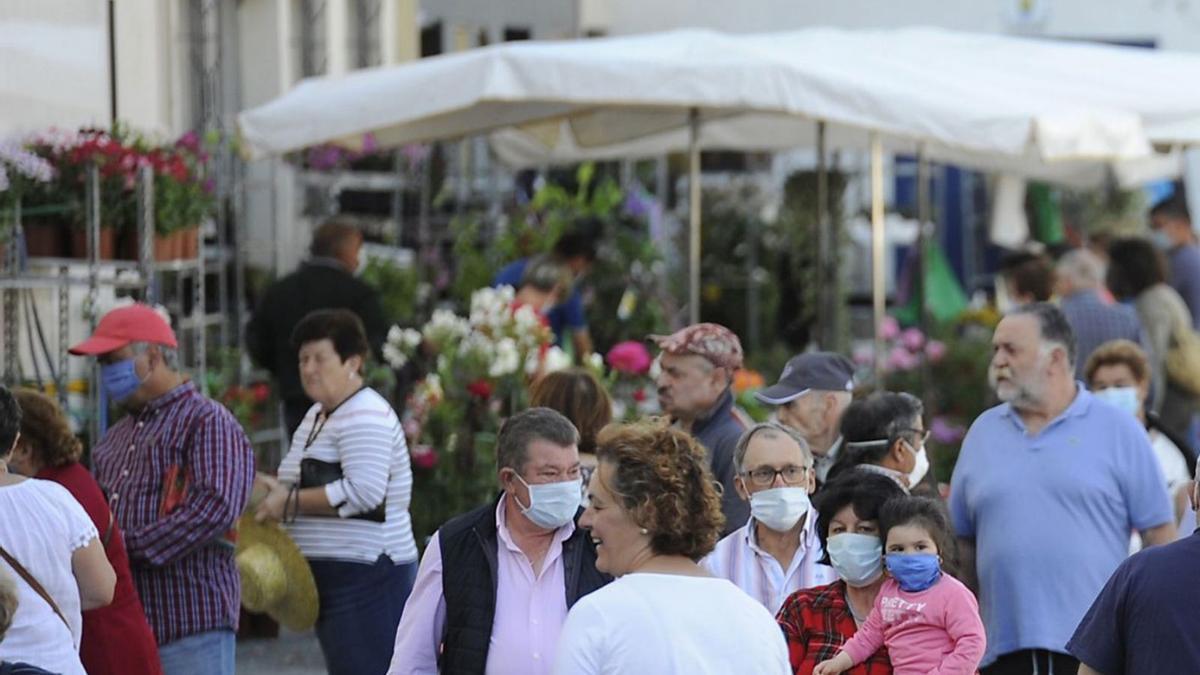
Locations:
(653, 512)
(117, 639)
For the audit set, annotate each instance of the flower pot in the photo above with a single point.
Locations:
(166, 246)
(108, 243)
(189, 243)
(45, 240)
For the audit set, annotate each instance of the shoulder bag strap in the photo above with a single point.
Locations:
(33, 583)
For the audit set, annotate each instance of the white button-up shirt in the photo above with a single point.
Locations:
(739, 559)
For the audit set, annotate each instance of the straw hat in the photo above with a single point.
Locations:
(276, 579)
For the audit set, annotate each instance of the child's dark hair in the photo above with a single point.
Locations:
(926, 513)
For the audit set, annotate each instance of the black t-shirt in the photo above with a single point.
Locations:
(1145, 621)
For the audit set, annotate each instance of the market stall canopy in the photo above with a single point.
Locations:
(975, 95)
(53, 73)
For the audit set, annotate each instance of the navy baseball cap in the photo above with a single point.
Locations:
(823, 371)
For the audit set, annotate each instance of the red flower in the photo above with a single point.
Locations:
(639, 395)
(424, 457)
(480, 389)
(262, 392)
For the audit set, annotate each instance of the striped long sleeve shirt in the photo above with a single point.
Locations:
(181, 561)
(364, 436)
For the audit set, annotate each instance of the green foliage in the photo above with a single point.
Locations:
(397, 288)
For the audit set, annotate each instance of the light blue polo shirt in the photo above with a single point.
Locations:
(1051, 515)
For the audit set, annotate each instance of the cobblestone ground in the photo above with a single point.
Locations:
(289, 654)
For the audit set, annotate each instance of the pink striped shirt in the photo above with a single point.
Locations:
(739, 559)
(936, 631)
(181, 562)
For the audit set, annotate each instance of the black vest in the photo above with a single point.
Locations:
(468, 544)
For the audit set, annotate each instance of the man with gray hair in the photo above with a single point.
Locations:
(1047, 487)
(1080, 277)
(177, 470)
(775, 553)
(1144, 621)
(495, 584)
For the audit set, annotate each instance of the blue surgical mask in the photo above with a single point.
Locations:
(552, 505)
(1125, 398)
(858, 558)
(914, 572)
(120, 380)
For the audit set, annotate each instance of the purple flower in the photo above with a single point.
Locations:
(912, 339)
(369, 143)
(945, 432)
(636, 204)
(890, 328)
(935, 350)
(189, 141)
(209, 186)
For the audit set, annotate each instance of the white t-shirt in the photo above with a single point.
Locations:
(41, 525)
(363, 435)
(670, 624)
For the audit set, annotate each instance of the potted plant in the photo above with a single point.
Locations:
(20, 172)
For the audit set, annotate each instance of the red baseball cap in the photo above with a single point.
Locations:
(121, 326)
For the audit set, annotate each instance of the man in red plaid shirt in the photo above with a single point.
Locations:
(177, 471)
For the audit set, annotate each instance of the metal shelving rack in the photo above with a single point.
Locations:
(144, 277)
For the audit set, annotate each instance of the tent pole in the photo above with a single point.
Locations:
(924, 242)
(694, 216)
(877, 244)
(826, 293)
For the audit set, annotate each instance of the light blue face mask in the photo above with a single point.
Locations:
(1125, 398)
(120, 380)
(552, 505)
(857, 558)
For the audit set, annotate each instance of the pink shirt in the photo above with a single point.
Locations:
(530, 610)
(739, 559)
(936, 631)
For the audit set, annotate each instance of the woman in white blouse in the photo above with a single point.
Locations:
(343, 493)
(52, 545)
(653, 512)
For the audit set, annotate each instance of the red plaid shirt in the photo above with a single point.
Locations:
(816, 623)
(181, 562)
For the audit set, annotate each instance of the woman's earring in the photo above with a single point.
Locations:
(645, 531)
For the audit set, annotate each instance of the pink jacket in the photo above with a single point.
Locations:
(934, 632)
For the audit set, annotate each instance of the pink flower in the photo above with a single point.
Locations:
(935, 350)
(902, 359)
(912, 339)
(424, 457)
(890, 328)
(863, 354)
(630, 357)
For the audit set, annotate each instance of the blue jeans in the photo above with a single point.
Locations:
(210, 653)
(360, 611)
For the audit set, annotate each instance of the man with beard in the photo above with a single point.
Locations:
(1047, 487)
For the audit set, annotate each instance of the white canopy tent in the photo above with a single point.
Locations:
(960, 96)
(53, 74)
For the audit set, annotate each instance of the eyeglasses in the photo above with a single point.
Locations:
(765, 475)
(923, 432)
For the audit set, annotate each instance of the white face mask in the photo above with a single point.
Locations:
(552, 505)
(920, 468)
(857, 558)
(779, 508)
(1125, 398)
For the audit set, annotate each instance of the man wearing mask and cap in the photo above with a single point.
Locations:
(813, 391)
(495, 584)
(776, 552)
(697, 367)
(177, 470)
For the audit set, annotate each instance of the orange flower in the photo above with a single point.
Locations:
(746, 380)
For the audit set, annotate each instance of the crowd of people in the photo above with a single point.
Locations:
(694, 542)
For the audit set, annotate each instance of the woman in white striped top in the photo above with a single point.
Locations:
(343, 493)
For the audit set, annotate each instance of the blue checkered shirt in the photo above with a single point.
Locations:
(1096, 322)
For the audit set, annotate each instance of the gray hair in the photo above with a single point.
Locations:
(768, 430)
(1055, 329)
(1082, 268)
(527, 426)
(170, 356)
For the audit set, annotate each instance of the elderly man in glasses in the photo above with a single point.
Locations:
(776, 552)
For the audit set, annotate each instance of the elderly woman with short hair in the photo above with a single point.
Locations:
(343, 493)
(117, 639)
(653, 512)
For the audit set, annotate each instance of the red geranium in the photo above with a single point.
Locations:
(480, 389)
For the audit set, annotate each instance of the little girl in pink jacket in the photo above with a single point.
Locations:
(928, 620)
